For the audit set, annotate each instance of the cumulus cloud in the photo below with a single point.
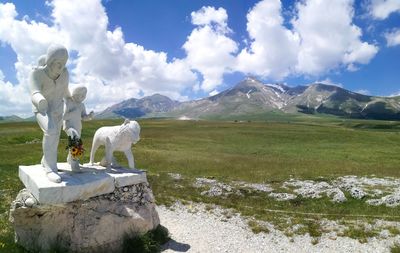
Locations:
(329, 82)
(393, 38)
(381, 9)
(273, 49)
(208, 15)
(396, 94)
(112, 69)
(322, 38)
(209, 49)
(13, 100)
(312, 43)
(328, 37)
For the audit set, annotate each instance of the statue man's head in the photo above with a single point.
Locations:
(57, 56)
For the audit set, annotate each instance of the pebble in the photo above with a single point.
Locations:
(357, 193)
(175, 176)
(282, 196)
(30, 202)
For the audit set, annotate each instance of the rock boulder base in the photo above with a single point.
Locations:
(96, 224)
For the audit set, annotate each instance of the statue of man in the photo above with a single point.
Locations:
(49, 87)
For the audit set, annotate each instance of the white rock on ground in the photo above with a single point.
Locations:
(282, 196)
(358, 187)
(195, 230)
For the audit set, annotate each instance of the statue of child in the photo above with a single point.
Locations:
(74, 113)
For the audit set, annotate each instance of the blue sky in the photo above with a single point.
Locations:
(191, 49)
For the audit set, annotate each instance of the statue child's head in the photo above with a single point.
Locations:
(79, 94)
(57, 56)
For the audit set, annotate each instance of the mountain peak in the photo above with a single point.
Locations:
(251, 96)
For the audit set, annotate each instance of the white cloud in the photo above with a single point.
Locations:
(209, 49)
(13, 99)
(112, 69)
(328, 37)
(381, 9)
(322, 38)
(363, 92)
(209, 15)
(330, 82)
(273, 48)
(395, 94)
(393, 38)
(352, 67)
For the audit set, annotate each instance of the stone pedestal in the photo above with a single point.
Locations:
(89, 211)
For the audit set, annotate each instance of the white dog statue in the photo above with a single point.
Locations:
(116, 138)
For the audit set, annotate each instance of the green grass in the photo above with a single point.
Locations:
(268, 151)
(395, 248)
(360, 233)
(257, 228)
(149, 242)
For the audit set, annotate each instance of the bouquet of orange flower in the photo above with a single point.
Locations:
(75, 147)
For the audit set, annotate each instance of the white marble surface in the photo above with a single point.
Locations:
(90, 182)
(116, 138)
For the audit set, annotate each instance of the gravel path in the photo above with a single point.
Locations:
(193, 229)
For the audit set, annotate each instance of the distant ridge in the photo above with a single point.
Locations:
(251, 96)
(11, 118)
(135, 108)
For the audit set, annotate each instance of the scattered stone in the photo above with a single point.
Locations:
(214, 191)
(30, 202)
(376, 193)
(282, 196)
(310, 189)
(257, 187)
(175, 176)
(215, 188)
(202, 182)
(374, 202)
(25, 199)
(34, 141)
(392, 200)
(357, 193)
(338, 195)
(384, 234)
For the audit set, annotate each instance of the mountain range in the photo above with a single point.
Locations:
(251, 96)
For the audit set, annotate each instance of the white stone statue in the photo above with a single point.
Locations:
(74, 113)
(49, 86)
(42, 60)
(116, 138)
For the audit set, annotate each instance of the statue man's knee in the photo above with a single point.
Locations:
(52, 132)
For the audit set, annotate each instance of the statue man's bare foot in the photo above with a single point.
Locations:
(53, 177)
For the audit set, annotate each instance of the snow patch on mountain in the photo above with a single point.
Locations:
(276, 87)
(248, 93)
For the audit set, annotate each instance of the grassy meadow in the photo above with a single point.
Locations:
(269, 151)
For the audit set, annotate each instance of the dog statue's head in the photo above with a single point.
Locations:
(133, 128)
